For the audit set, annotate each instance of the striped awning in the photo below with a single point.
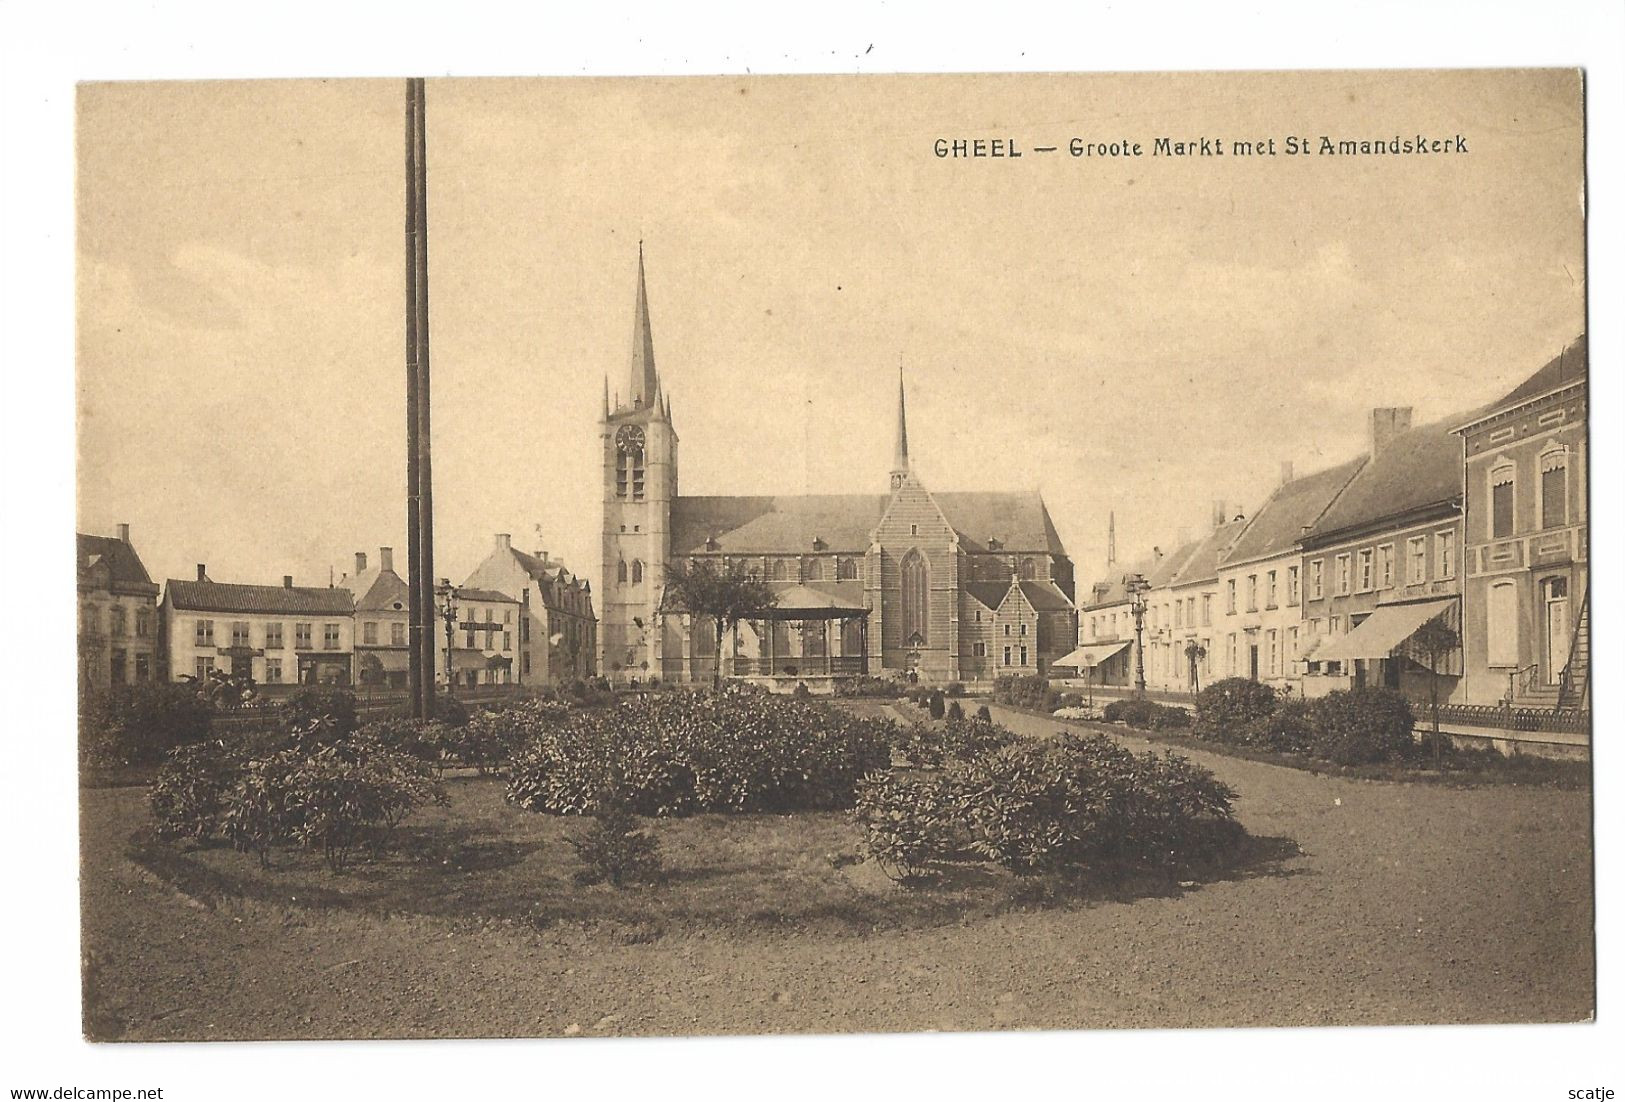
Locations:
(1090, 655)
(1383, 631)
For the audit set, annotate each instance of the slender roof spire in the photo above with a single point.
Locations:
(899, 461)
(643, 381)
(606, 397)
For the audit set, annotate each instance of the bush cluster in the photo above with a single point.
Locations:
(140, 724)
(1064, 804)
(1025, 691)
(314, 785)
(929, 747)
(1357, 727)
(688, 753)
(1146, 714)
(867, 685)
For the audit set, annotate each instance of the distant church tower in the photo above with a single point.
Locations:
(640, 480)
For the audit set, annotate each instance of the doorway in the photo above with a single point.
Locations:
(1252, 661)
(1555, 591)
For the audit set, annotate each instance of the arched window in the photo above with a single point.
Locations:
(1501, 625)
(1554, 486)
(620, 572)
(1027, 569)
(815, 570)
(637, 571)
(846, 569)
(916, 576)
(776, 570)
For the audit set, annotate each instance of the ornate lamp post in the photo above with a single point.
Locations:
(446, 596)
(1137, 587)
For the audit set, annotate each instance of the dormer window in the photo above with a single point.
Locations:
(994, 543)
(818, 544)
(711, 543)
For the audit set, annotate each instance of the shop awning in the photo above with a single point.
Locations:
(465, 659)
(1382, 631)
(1090, 655)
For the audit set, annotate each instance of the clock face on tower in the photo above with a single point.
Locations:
(629, 440)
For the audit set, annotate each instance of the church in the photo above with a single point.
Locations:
(936, 586)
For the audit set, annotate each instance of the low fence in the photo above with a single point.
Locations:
(1502, 717)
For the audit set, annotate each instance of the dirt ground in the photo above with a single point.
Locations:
(1389, 903)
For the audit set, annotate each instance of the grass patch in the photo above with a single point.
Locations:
(481, 860)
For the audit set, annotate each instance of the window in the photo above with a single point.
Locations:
(369, 632)
(1252, 593)
(1006, 656)
(1190, 611)
(978, 650)
(1416, 560)
(204, 635)
(620, 572)
(1292, 642)
(1269, 592)
(507, 640)
(239, 633)
(1292, 585)
(1444, 554)
(1343, 575)
(1385, 566)
(1230, 596)
(143, 626)
(397, 634)
(273, 671)
(301, 636)
(1554, 487)
(1207, 610)
(119, 658)
(1501, 500)
(1230, 667)
(1023, 629)
(637, 571)
(1274, 652)
(1023, 656)
(115, 620)
(526, 657)
(1501, 625)
(1317, 579)
(1179, 614)
(846, 569)
(776, 571)
(87, 619)
(330, 637)
(916, 580)
(468, 639)
(201, 668)
(815, 570)
(1365, 569)
(1028, 573)
(143, 668)
(273, 636)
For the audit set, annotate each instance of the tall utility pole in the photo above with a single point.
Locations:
(419, 497)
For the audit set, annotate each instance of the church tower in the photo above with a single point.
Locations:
(639, 449)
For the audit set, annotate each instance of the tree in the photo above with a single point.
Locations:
(1194, 653)
(1430, 646)
(725, 596)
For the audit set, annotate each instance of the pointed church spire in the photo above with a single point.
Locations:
(1111, 539)
(643, 382)
(606, 397)
(899, 463)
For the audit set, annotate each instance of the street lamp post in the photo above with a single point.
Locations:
(448, 594)
(1137, 586)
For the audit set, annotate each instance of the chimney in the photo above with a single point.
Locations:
(360, 562)
(1286, 471)
(287, 581)
(504, 541)
(1388, 422)
(386, 559)
(124, 533)
(202, 575)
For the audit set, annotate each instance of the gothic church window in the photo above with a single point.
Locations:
(846, 569)
(916, 595)
(620, 572)
(815, 570)
(1027, 573)
(637, 571)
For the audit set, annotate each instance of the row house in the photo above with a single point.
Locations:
(1261, 633)
(1526, 634)
(118, 613)
(485, 638)
(1106, 646)
(270, 634)
(1197, 595)
(1384, 559)
(556, 636)
(382, 621)
(1164, 656)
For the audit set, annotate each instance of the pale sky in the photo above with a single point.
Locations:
(1142, 335)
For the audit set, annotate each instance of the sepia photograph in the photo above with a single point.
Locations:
(649, 557)
(711, 552)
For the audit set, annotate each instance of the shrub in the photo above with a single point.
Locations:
(316, 702)
(450, 711)
(907, 823)
(870, 686)
(955, 689)
(1227, 710)
(190, 791)
(1290, 728)
(1145, 714)
(689, 753)
(427, 740)
(957, 740)
(1084, 801)
(802, 692)
(614, 850)
(955, 710)
(353, 793)
(984, 714)
(935, 705)
(1024, 691)
(140, 724)
(1361, 726)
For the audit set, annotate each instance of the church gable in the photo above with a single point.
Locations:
(912, 516)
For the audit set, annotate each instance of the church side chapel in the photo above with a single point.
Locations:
(936, 586)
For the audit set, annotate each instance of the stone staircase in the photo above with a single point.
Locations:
(1574, 691)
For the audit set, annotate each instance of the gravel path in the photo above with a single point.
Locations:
(1408, 903)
